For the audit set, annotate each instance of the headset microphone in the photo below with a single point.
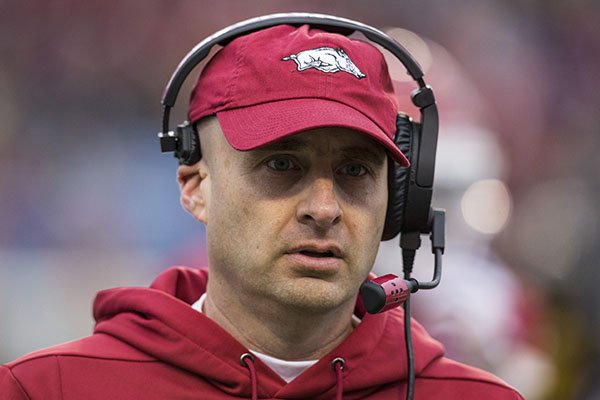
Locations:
(386, 292)
(390, 291)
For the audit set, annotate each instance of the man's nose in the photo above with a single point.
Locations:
(320, 207)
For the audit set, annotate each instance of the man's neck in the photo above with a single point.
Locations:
(271, 329)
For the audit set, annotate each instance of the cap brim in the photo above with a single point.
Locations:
(247, 128)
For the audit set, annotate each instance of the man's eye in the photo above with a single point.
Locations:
(281, 164)
(352, 169)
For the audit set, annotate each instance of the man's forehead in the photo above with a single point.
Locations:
(344, 141)
(334, 137)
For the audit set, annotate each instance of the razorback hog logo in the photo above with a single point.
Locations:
(326, 59)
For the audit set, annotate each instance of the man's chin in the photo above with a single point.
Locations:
(314, 295)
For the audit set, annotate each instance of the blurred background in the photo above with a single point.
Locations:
(88, 202)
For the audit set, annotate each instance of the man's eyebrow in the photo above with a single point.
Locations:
(367, 154)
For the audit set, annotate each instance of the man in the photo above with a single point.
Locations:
(295, 126)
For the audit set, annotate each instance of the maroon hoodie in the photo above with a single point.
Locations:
(149, 343)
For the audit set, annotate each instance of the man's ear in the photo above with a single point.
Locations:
(195, 189)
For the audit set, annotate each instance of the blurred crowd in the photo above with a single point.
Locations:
(87, 201)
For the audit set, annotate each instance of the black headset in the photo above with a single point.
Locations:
(410, 188)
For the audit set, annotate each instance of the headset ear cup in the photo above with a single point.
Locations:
(188, 148)
(398, 177)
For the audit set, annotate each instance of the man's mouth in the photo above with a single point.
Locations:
(317, 254)
(318, 250)
(321, 258)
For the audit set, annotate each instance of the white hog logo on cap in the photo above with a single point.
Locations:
(326, 59)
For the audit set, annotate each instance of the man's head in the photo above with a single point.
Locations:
(292, 186)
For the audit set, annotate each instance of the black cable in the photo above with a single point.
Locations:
(410, 356)
(410, 242)
(408, 259)
(437, 271)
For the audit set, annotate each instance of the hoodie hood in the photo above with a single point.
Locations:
(160, 322)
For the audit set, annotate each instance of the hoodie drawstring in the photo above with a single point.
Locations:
(338, 365)
(247, 360)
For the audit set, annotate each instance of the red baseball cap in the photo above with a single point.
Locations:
(279, 81)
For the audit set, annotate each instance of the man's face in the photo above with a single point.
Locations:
(297, 222)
